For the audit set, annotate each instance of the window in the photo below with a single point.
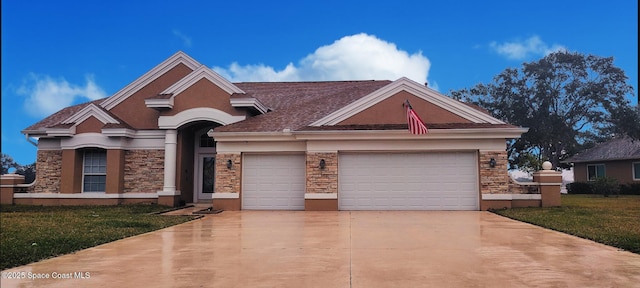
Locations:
(595, 171)
(636, 171)
(94, 172)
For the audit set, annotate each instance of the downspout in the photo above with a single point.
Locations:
(30, 141)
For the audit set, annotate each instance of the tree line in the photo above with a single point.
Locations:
(28, 171)
(568, 100)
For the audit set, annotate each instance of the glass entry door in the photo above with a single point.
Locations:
(206, 176)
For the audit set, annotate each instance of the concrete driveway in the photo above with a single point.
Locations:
(342, 249)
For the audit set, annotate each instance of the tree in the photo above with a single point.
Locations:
(7, 163)
(28, 171)
(567, 100)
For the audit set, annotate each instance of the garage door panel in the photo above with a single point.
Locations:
(273, 182)
(409, 181)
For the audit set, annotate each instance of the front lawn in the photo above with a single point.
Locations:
(32, 233)
(613, 221)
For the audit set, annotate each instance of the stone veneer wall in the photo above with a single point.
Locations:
(143, 171)
(494, 180)
(228, 180)
(48, 173)
(322, 180)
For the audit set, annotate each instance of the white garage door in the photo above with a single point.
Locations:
(408, 181)
(273, 182)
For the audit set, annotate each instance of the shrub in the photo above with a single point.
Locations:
(606, 186)
(579, 188)
(630, 189)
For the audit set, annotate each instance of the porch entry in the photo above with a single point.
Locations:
(206, 175)
(205, 162)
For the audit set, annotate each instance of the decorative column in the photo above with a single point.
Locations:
(169, 196)
(170, 151)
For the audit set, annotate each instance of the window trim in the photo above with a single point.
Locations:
(633, 170)
(84, 173)
(604, 171)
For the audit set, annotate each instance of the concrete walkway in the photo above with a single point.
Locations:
(342, 249)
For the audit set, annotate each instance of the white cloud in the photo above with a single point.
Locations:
(356, 57)
(186, 40)
(522, 49)
(46, 95)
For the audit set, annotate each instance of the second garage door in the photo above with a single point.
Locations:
(273, 182)
(408, 181)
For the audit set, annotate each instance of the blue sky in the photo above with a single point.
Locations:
(58, 53)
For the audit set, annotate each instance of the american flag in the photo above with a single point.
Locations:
(416, 125)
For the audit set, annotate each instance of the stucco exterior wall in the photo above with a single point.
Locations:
(143, 171)
(391, 111)
(202, 94)
(89, 125)
(134, 111)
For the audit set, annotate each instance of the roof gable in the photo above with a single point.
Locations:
(418, 90)
(202, 72)
(166, 98)
(392, 111)
(178, 58)
(88, 111)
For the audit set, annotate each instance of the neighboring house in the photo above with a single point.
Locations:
(181, 133)
(617, 158)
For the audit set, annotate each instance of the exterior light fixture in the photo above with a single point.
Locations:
(229, 164)
(492, 162)
(322, 164)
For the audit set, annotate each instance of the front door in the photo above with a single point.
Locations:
(206, 177)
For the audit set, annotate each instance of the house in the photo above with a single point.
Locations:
(617, 158)
(181, 133)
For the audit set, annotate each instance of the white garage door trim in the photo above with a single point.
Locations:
(408, 181)
(273, 182)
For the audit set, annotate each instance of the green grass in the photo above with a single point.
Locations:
(613, 221)
(32, 233)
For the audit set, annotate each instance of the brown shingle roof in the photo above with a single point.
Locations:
(623, 148)
(54, 121)
(298, 104)
(59, 116)
(295, 106)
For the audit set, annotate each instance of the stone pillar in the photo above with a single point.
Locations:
(322, 182)
(226, 194)
(7, 185)
(494, 180)
(169, 196)
(550, 182)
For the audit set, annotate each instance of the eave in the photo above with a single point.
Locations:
(159, 103)
(119, 132)
(251, 103)
(477, 133)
